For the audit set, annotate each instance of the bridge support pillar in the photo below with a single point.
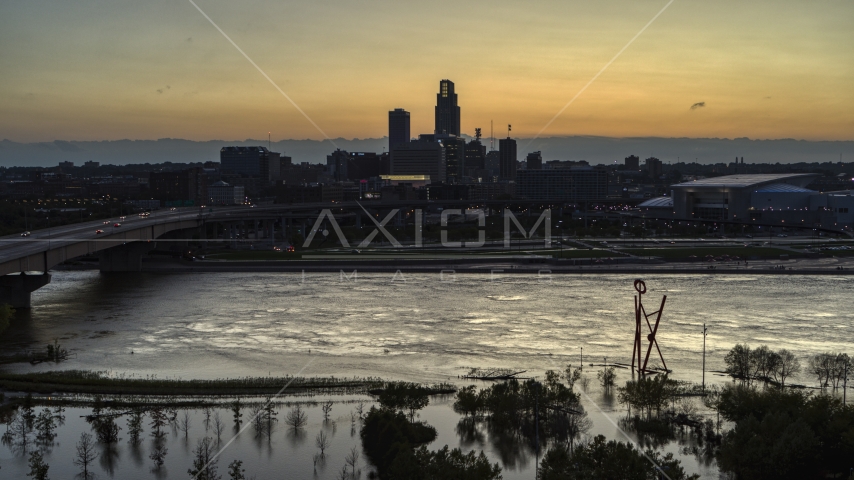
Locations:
(124, 258)
(16, 289)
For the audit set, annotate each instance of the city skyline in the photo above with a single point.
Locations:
(95, 72)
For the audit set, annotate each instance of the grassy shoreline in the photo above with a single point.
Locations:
(97, 383)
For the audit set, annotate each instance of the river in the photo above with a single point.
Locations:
(420, 327)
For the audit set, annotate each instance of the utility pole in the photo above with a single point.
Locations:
(705, 330)
(582, 358)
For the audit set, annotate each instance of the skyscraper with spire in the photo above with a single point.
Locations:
(447, 110)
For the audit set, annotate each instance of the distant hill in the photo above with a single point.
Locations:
(596, 150)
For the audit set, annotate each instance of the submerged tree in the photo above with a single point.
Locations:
(204, 462)
(235, 471)
(296, 418)
(38, 467)
(322, 442)
(85, 454)
(603, 459)
(135, 426)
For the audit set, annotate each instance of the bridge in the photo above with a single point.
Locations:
(25, 262)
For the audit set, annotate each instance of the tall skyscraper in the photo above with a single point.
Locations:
(455, 157)
(507, 162)
(447, 110)
(398, 127)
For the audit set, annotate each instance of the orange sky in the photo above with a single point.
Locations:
(97, 70)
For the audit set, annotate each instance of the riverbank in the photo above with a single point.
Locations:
(536, 265)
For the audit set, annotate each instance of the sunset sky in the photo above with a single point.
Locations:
(101, 70)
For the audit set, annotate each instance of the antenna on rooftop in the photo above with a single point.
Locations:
(477, 134)
(268, 140)
(491, 136)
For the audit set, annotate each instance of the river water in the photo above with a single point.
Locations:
(421, 327)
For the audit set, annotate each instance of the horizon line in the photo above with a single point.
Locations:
(385, 137)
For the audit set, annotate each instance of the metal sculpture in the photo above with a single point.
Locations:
(640, 311)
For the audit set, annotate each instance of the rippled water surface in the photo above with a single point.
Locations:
(417, 327)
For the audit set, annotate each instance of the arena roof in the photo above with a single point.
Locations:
(750, 180)
(783, 188)
(658, 202)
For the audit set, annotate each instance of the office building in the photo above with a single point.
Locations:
(507, 159)
(632, 162)
(535, 161)
(186, 185)
(250, 162)
(455, 157)
(653, 167)
(398, 127)
(447, 110)
(576, 184)
(475, 155)
(419, 158)
(221, 193)
(336, 165)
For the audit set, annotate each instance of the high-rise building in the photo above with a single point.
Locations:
(398, 127)
(475, 155)
(535, 161)
(447, 110)
(419, 158)
(251, 162)
(336, 165)
(653, 166)
(507, 159)
(455, 157)
(632, 162)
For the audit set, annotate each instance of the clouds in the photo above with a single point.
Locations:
(698, 105)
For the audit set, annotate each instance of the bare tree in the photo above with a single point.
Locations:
(343, 475)
(257, 418)
(207, 411)
(841, 363)
(184, 424)
(296, 417)
(322, 441)
(360, 408)
(86, 454)
(821, 365)
(786, 365)
(352, 460)
(218, 426)
(327, 407)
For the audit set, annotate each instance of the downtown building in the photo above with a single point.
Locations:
(576, 184)
(421, 157)
(398, 127)
(255, 162)
(447, 110)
